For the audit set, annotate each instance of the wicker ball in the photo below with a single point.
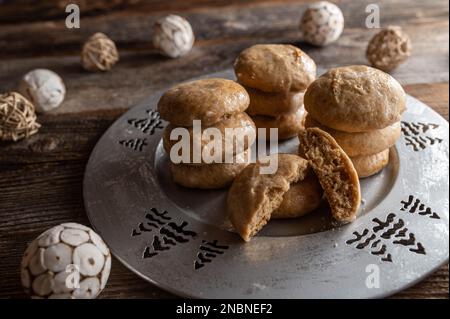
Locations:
(389, 48)
(173, 36)
(99, 53)
(44, 88)
(17, 117)
(322, 23)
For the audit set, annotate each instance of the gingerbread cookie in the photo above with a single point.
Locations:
(275, 68)
(254, 196)
(362, 143)
(302, 198)
(335, 172)
(368, 165)
(355, 98)
(273, 104)
(209, 176)
(208, 100)
(240, 121)
(288, 124)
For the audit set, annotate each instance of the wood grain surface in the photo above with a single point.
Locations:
(41, 178)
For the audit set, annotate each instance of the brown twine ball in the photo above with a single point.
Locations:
(99, 53)
(17, 117)
(388, 48)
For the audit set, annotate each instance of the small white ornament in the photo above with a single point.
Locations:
(44, 88)
(49, 263)
(388, 48)
(173, 36)
(322, 23)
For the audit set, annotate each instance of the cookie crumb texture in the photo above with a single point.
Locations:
(254, 196)
(335, 172)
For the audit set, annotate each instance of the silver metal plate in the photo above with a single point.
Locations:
(180, 239)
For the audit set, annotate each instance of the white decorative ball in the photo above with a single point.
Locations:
(322, 23)
(68, 261)
(44, 88)
(173, 36)
(389, 48)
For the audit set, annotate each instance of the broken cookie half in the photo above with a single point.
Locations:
(335, 172)
(253, 196)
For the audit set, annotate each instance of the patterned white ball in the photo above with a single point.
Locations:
(68, 261)
(173, 36)
(389, 48)
(322, 23)
(44, 88)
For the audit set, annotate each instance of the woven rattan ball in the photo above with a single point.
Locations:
(99, 53)
(173, 36)
(17, 117)
(389, 48)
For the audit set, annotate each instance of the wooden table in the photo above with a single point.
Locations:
(41, 178)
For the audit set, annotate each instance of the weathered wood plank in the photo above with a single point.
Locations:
(259, 20)
(140, 73)
(30, 10)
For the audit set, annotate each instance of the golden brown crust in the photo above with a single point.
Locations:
(335, 171)
(254, 196)
(355, 98)
(275, 68)
(208, 100)
(361, 143)
(208, 176)
(302, 198)
(273, 104)
(288, 124)
(239, 120)
(369, 165)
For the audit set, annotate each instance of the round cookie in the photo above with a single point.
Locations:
(254, 196)
(355, 98)
(335, 172)
(288, 124)
(362, 143)
(275, 68)
(209, 176)
(273, 104)
(369, 165)
(208, 100)
(302, 198)
(236, 121)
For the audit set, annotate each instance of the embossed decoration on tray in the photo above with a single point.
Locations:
(416, 137)
(149, 124)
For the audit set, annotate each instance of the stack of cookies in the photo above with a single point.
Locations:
(275, 77)
(361, 108)
(214, 103)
